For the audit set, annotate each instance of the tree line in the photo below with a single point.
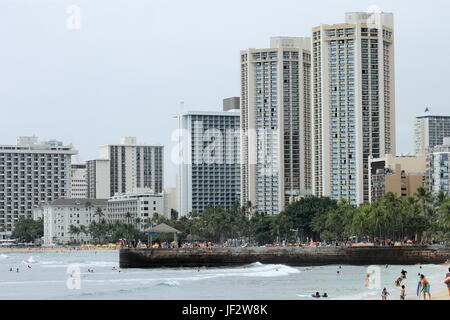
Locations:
(421, 218)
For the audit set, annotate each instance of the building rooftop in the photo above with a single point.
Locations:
(79, 202)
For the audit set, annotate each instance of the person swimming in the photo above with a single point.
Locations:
(316, 295)
(403, 273)
(325, 295)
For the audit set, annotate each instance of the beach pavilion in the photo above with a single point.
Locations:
(164, 228)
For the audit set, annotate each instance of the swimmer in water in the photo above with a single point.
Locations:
(367, 280)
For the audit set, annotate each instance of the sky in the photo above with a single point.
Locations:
(125, 68)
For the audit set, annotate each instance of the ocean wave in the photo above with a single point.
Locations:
(168, 283)
(3, 256)
(84, 264)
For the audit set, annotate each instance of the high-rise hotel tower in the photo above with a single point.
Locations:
(275, 124)
(353, 103)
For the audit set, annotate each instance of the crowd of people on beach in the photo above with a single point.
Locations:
(423, 286)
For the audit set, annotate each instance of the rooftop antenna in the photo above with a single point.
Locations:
(181, 106)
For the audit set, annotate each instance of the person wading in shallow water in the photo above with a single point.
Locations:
(425, 287)
(447, 280)
(384, 294)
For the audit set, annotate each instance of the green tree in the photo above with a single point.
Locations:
(303, 212)
(28, 230)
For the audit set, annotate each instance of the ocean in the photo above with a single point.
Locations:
(64, 275)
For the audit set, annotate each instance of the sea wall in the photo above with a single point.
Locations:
(292, 256)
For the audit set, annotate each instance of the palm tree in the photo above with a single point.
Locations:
(138, 221)
(128, 217)
(83, 230)
(440, 198)
(99, 213)
(425, 198)
(74, 230)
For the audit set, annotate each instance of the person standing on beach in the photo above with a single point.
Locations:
(425, 287)
(447, 279)
(384, 294)
(403, 293)
(419, 287)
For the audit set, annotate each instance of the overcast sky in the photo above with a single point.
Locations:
(125, 71)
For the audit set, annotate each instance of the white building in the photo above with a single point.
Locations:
(430, 131)
(134, 166)
(59, 215)
(78, 187)
(31, 173)
(135, 208)
(353, 103)
(276, 123)
(170, 201)
(439, 168)
(209, 164)
(98, 179)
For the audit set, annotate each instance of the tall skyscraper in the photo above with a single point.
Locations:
(209, 164)
(134, 166)
(31, 173)
(353, 97)
(275, 123)
(98, 179)
(430, 131)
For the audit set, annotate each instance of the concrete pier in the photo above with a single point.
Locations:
(292, 256)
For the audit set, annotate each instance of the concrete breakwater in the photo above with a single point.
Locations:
(292, 256)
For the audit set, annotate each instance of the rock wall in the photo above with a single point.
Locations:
(292, 256)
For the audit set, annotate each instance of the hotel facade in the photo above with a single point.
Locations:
(209, 162)
(430, 131)
(131, 166)
(353, 103)
(32, 173)
(275, 124)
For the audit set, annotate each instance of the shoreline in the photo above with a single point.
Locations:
(441, 294)
(61, 250)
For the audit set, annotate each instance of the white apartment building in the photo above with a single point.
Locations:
(78, 186)
(439, 168)
(430, 131)
(135, 208)
(60, 214)
(98, 179)
(353, 103)
(170, 201)
(31, 173)
(209, 164)
(134, 166)
(276, 124)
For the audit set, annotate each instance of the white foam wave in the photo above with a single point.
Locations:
(3, 256)
(31, 260)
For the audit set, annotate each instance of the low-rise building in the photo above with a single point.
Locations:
(135, 208)
(401, 175)
(60, 214)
